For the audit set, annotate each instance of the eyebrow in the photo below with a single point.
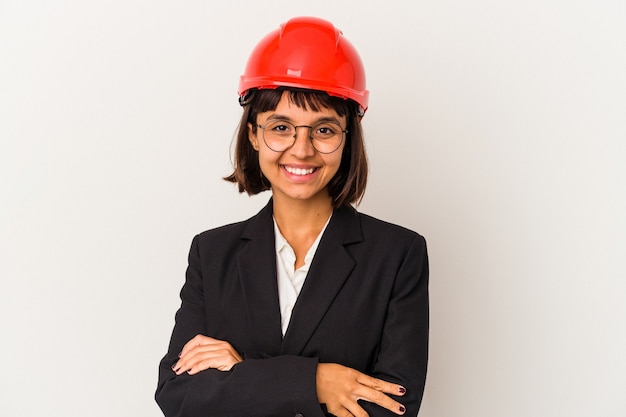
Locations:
(315, 122)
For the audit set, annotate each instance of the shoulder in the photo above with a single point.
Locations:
(226, 232)
(234, 234)
(357, 227)
(373, 227)
(370, 222)
(390, 240)
(379, 245)
(217, 242)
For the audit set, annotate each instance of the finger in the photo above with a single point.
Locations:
(217, 348)
(224, 363)
(378, 397)
(197, 340)
(381, 385)
(193, 342)
(191, 354)
(346, 413)
(338, 410)
(192, 365)
(354, 409)
(205, 357)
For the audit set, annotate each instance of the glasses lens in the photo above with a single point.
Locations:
(279, 135)
(327, 137)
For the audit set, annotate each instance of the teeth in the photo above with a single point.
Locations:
(299, 171)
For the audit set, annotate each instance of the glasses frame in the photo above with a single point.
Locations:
(295, 136)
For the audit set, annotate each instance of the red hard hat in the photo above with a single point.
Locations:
(310, 53)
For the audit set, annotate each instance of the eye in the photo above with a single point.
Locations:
(326, 130)
(280, 128)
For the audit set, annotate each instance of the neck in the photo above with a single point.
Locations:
(301, 218)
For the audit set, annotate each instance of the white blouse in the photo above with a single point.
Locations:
(290, 280)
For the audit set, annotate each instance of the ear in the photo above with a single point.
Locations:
(252, 137)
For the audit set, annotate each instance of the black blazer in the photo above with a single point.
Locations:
(364, 304)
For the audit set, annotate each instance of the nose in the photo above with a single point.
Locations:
(303, 145)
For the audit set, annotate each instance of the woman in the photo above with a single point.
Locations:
(308, 308)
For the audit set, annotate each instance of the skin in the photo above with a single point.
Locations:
(302, 206)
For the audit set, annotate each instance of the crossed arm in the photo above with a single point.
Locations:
(338, 387)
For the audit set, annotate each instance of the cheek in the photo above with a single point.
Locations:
(267, 158)
(333, 164)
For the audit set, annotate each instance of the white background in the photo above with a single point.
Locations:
(496, 129)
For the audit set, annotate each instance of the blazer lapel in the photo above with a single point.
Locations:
(256, 263)
(330, 268)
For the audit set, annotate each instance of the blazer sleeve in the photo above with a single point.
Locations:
(403, 354)
(256, 387)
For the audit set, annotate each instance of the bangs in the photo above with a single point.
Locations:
(268, 99)
(317, 101)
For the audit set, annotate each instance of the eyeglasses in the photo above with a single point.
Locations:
(280, 135)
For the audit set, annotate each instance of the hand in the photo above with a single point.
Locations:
(339, 387)
(203, 352)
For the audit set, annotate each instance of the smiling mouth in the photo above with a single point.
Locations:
(299, 171)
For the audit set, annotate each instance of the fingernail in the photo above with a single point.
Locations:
(180, 353)
(175, 367)
(402, 409)
(401, 390)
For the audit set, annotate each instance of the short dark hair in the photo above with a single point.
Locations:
(346, 187)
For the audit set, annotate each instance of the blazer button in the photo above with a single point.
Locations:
(299, 415)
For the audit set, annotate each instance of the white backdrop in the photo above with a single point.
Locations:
(496, 129)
